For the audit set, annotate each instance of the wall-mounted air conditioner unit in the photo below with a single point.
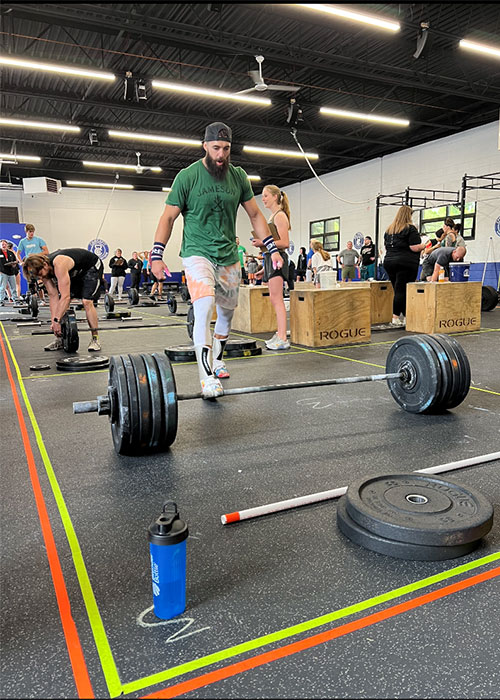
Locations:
(39, 185)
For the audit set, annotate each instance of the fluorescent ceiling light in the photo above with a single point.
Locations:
(364, 117)
(39, 125)
(81, 183)
(153, 137)
(254, 177)
(52, 68)
(278, 152)
(115, 166)
(13, 157)
(166, 189)
(356, 16)
(203, 92)
(482, 48)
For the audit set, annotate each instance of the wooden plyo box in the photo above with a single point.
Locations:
(254, 313)
(304, 285)
(323, 317)
(443, 307)
(382, 296)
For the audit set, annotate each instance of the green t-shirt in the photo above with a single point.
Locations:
(209, 209)
(241, 251)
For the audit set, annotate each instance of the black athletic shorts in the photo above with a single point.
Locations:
(270, 272)
(89, 285)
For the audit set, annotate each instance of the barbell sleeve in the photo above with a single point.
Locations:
(85, 406)
(298, 385)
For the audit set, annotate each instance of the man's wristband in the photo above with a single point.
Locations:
(157, 251)
(270, 244)
(56, 320)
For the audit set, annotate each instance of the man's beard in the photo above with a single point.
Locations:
(217, 171)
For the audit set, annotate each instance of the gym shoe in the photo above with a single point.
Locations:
(94, 345)
(277, 344)
(271, 340)
(220, 370)
(56, 344)
(211, 388)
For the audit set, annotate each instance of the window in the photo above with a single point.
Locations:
(9, 215)
(433, 219)
(327, 231)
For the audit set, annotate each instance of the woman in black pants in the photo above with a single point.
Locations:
(300, 271)
(403, 245)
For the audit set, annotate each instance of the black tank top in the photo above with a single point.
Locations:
(83, 259)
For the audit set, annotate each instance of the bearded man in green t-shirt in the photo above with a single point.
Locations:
(208, 194)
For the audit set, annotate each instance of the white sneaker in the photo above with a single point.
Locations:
(272, 339)
(94, 345)
(211, 388)
(278, 344)
(56, 344)
(220, 370)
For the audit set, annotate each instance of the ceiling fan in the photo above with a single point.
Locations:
(260, 85)
(139, 169)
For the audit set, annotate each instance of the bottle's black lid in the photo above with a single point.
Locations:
(168, 528)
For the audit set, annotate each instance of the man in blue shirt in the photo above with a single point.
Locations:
(32, 244)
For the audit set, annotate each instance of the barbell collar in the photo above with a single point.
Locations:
(300, 385)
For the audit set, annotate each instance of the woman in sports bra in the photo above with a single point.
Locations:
(279, 224)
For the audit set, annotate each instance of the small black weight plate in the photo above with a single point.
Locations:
(120, 416)
(133, 296)
(250, 352)
(394, 548)
(460, 369)
(169, 402)
(82, 363)
(109, 302)
(135, 446)
(190, 321)
(155, 397)
(36, 368)
(69, 329)
(33, 305)
(172, 304)
(489, 298)
(144, 396)
(419, 390)
(181, 353)
(240, 344)
(184, 292)
(421, 509)
(447, 378)
(118, 314)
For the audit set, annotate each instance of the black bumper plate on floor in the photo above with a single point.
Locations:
(83, 363)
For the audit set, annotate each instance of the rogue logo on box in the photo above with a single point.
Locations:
(344, 333)
(457, 322)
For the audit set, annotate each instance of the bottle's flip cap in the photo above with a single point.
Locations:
(168, 528)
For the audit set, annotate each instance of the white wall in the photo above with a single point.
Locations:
(74, 217)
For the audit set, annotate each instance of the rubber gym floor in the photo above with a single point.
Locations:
(281, 606)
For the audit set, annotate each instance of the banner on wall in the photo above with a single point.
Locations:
(497, 226)
(358, 240)
(99, 247)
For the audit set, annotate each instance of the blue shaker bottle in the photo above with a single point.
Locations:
(167, 537)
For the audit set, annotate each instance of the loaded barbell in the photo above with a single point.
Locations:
(424, 373)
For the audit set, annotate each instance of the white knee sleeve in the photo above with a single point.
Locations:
(223, 323)
(203, 312)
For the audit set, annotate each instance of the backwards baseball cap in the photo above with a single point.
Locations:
(218, 131)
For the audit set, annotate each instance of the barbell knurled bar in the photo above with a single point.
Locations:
(101, 405)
